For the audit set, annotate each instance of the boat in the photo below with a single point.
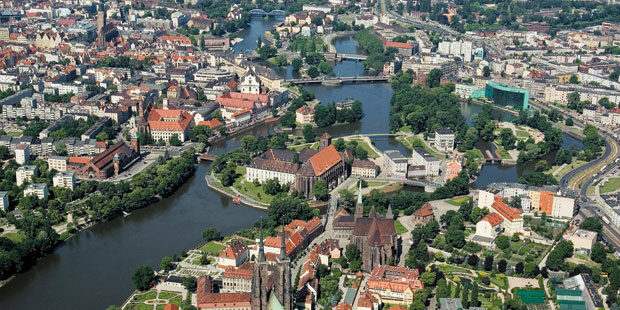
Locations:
(125, 213)
(236, 200)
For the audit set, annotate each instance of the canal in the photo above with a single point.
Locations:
(93, 269)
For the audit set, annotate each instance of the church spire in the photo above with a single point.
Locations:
(389, 213)
(359, 194)
(359, 208)
(282, 257)
(261, 249)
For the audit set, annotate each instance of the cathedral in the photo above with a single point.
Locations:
(271, 284)
(374, 235)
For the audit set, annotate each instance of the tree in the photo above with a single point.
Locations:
(515, 237)
(519, 268)
(502, 242)
(568, 122)
(320, 190)
(573, 79)
(428, 278)
(272, 186)
(309, 134)
(143, 276)
(472, 260)
(313, 72)
(211, 234)
(598, 253)
(166, 263)
(113, 307)
(433, 78)
(573, 100)
(4, 152)
(488, 263)
(190, 284)
(486, 71)
(592, 224)
(474, 296)
(501, 266)
(297, 63)
(174, 140)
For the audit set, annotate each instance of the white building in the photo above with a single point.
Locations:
(396, 163)
(4, 201)
(444, 140)
(250, 83)
(25, 174)
(234, 255)
(464, 91)
(364, 168)
(64, 179)
(58, 163)
(22, 153)
(583, 240)
(39, 189)
(421, 157)
(489, 226)
(563, 207)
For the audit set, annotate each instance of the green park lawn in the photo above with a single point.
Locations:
(566, 169)
(449, 269)
(457, 201)
(365, 146)
(145, 296)
(406, 128)
(16, 237)
(613, 184)
(167, 295)
(503, 153)
(522, 134)
(400, 229)
(297, 148)
(474, 154)
(409, 143)
(213, 248)
(249, 189)
(375, 183)
(14, 133)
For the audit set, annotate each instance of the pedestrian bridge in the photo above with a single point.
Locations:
(340, 80)
(344, 56)
(260, 12)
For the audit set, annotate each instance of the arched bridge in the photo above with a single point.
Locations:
(260, 12)
(340, 80)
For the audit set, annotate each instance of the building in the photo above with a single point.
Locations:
(271, 284)
(39, 189)
(250, 82)
(444, 140)
(454, 304)
(304, 115)
(583, 240)
(163, 124)
(464, 90)
(58, 163)
(423, 215)
(64, 179)
(207, 299)
(108, 163)
(237, 279)
(25, 174)
(421, 157)
(22, 153)
(504, 95)
(589, 295)
(488, 228)
(234, 256)
(367, 301)
(273, 164)
(394, 285)
(233, 102)
(4, 201)
(328, 165)
(454, 168)
(364, 168)
(396, 163)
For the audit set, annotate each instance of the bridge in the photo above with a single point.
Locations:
(489, 157)
(260, 12)
(344, 56)
(340, 80)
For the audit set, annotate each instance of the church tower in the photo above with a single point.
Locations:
(260, 279)
(101, 21)
(283, 284)
(359, 207)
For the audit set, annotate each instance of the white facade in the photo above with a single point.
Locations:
(485, 229)
(58, 163)
(444, 140)
(4, 201)
(25, 174)
(64, 179)
(263, 175)
(583, 240)
(562, 207)
(421, 157)
(397, 164)
(39, 189)
(464, 91)
(250, 84)
(485, 199)
(22, 153)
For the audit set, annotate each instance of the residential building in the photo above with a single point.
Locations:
(22, 153)
(454, 168)
(423, 215)
(364, 168)
(421, 157)
(367, 301)
(25, 174)
(237, 279)
(64, 179)
(234, 256)
(4, 201)
(444, 140)
(583, 240)
(396, 163)
(304, 115)
(488, 228)
(590, 294)
(233, 102)
(394, 285)
(513, 222)
(39, 189)
(58, 163)
(163, 124)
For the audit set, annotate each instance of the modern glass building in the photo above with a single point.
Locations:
(504, 95)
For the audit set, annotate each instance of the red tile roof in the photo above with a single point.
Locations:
(214, 123)
(504, 210)
(398, 44)
(493, 218)
(240, 113)
(171, 307)
(425, 210)
(79, 160)
(169, 120)
(325, 159)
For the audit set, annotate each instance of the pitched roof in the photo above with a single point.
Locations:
(214, 123)
(325, 159)
(169, 120)
(398, 44)
(504, 210)
(425, 210)
(171, 306)
(493, 218)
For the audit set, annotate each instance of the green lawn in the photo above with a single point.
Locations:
(167, 295)
(400, 229)
(499, 281)
(613, 184)
(145, 296)
(522, 134)
(365, 146)
(503, 153)
(14, 133)
(213, 248)
(411, 142)
(406, 128)
(568, 168)
(375, 183)
(457, 201)
(297, 148)
(451, 269)
(474, 154)
(249, 189)
(16, 237)
(139, 307)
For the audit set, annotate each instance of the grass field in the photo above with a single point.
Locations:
(376, 183)
(365, 146)
(146, 296)
(297, 148)
(16, 237)
(522, 134)
(213, 248)
(457, 201)
(613, 184)
(503, 153)
(566, 169)
(14, 133)
(411, 142)
(474, 154)
(400, 229)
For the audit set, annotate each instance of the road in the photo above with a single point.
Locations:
(580, 176)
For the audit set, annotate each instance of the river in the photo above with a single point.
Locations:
(93, 269)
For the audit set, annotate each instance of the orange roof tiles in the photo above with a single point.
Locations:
(169, 120)
(240, 113)
(493, 218)
(214, 123)
(79, 160)
(398, 44)
(504, 210)
(325, 159)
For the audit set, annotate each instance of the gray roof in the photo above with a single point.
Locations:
(444, 131)
(424, 153)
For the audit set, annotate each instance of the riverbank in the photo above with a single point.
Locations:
(215, 185)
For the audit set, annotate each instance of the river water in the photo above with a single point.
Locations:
(94, 269)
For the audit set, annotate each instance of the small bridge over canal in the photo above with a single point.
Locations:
(344, 56)
(260, 12)
(489, 158)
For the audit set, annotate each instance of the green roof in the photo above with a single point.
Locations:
(531, 293)
(559, 292)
